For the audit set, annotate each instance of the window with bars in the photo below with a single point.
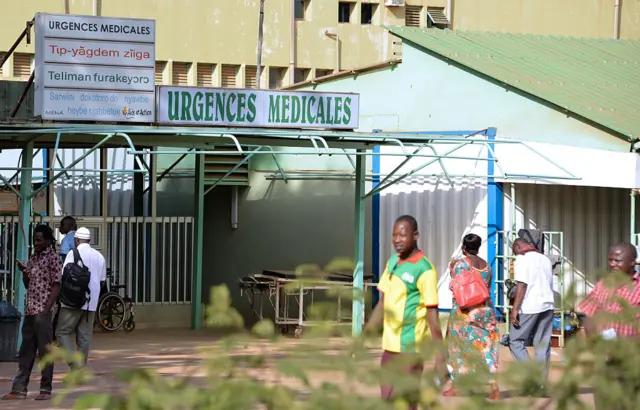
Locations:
(205, 74)
(160, 65)
(412, 16)
(22, 66)
(229, 76)
(250, 76)
(180, 73)
(276, 77)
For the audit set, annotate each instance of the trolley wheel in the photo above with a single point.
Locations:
(284, 329)
(129, 326)
(298, 332)
(111, 312)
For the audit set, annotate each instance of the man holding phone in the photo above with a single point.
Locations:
(41, 277)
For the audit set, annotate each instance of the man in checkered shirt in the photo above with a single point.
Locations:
(622, 258)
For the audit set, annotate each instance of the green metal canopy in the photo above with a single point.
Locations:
(596, 79)
(247, 142)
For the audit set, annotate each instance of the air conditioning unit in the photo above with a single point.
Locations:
(394, 3)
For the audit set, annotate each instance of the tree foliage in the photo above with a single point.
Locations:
(262, 369)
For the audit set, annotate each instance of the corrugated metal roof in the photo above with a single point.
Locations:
(597, 79)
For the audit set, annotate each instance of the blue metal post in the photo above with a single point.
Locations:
(495, 215)
(375, 224)
(359, 230)
(196, 298)
(24, 228)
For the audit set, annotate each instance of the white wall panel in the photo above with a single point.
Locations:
(591, 218)
(593, 167)
(444, 214)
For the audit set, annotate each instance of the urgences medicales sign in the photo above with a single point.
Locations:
(95, 68)
(257, 108)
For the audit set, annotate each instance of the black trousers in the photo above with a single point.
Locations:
(37, 336)
(55, 320)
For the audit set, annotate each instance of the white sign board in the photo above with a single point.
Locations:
(257, 108)
(95, 68)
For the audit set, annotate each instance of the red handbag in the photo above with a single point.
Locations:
(469, 289)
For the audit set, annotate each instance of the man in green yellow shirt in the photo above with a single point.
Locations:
(408, 306)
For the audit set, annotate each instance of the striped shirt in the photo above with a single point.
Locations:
(603, 299)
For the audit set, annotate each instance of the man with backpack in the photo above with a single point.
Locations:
(68, 228)
(84, 273)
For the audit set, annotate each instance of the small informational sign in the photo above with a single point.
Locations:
(257, 108)
(94, 68)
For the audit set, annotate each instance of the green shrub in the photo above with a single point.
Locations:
(232, 377)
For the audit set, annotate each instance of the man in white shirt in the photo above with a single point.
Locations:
(80, 321)
(533, 307)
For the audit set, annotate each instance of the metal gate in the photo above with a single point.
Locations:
(151, 256)
(554, 249)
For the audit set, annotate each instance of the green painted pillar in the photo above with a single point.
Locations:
(196, 294)
(22, 234)
(358, 256)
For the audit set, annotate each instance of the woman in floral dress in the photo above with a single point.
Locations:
(472, 332)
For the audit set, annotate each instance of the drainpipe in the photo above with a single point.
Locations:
(292, 43)
(65, 6)
(95, 7)
(616, 19)
(449, 11)
(260, 34)
(337, 38)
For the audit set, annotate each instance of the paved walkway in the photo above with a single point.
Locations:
(170, 353)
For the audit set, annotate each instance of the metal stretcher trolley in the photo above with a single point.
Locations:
(282, 297)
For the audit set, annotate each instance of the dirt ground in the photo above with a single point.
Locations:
(171, 353)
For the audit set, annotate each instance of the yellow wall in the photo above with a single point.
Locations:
(576, 18)
(226, 31)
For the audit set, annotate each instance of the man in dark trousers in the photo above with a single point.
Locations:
(41, 277)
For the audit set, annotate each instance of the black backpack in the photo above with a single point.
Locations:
(74, 290)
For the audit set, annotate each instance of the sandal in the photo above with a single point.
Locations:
(14, 396)
(43, 396)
